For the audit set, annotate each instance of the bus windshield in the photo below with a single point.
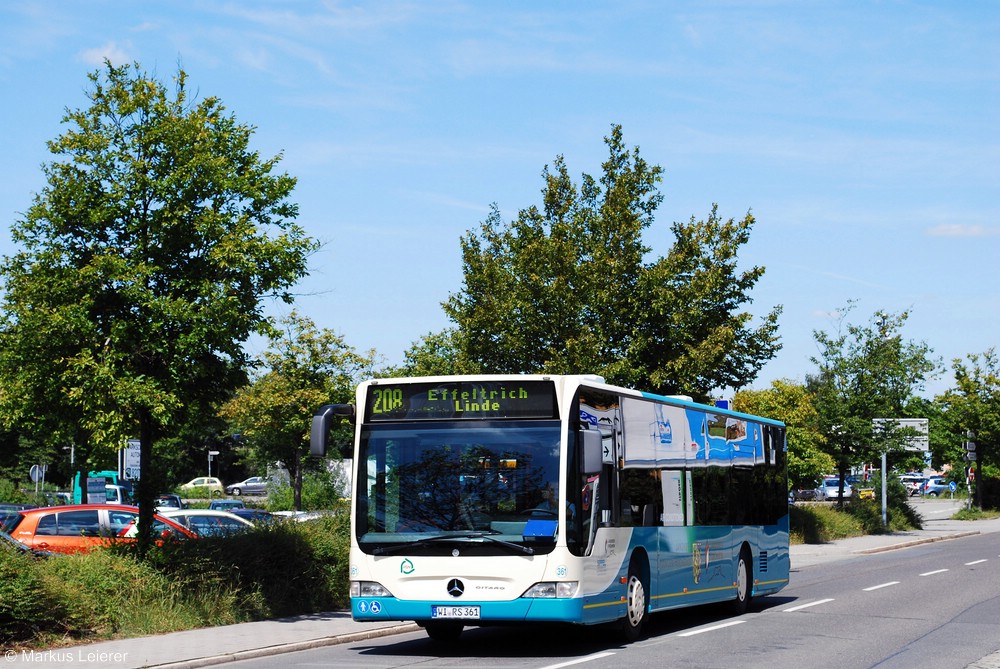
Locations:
(431, 479)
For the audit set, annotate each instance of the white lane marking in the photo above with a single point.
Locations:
(936, 571)
(588, 658)
(713, 628)
(881, 585)
(969, 564)
(806, 606)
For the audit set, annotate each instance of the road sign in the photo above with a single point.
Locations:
(918, 440)
(129, 461)
(970, 456)
(37, 473)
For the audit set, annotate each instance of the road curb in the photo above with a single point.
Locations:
(915, 542)
(290, 647)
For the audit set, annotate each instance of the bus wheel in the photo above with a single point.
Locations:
(635, 603)
(443, 631)
(742, 601)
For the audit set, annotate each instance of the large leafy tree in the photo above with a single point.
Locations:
(434, 354)
(302, 369)
(973, 406)
(567, 288)
(144, 265)
(867, 371)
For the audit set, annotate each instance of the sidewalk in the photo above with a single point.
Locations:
(216, 645)
(213, 645)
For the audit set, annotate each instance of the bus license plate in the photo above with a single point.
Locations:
(459, 612)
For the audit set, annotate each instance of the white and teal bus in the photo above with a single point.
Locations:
(484, 500)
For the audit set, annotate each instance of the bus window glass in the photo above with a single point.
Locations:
(454, 477)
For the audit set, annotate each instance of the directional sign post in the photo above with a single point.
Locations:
(211, 454)
(971, 457)
(917, 442)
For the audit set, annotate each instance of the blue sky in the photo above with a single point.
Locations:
(863, 136)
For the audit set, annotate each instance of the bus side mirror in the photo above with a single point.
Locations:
(322, 422)
(591, 457)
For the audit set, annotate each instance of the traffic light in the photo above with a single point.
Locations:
(970, 447)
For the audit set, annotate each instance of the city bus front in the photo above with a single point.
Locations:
(458, 514)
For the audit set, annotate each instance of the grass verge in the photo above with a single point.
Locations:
(281, 569)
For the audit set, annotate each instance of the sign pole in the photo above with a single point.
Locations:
(885, 513)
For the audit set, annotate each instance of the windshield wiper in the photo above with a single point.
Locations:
(399, 548)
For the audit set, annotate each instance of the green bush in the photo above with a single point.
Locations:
(10, 493)
(281, 569)
(28, 608)
(900, 516)
(819, 523)
(320, 490)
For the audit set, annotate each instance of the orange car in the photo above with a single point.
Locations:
(80, 527)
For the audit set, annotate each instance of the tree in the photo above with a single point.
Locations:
(566, 288)
(792, 404)
(303, 369)
(435, 354)
(866, 372)
(145, 262)
(973, 406)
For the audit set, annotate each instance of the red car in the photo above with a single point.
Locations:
(80, 527)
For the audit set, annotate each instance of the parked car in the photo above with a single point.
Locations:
(226, 504)
(7, 519)
(81, 527)
(12, 545)
(802, 494)
(167, 502)
(829, 488)
(913, 483)
(934, 486)
(204, 485)
(255, 516)
(255, 485)
(209, 522)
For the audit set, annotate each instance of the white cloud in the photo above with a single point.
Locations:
(110, 51)
(960, 230)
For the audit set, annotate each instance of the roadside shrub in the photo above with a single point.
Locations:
(113, 594)
(27, 607)
(320, 490)
(11, 494)
(900, 516)
(818, 523)
(279, 569)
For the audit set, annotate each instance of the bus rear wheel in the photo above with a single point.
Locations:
(635, 605)
(742, 601)
(443, 630)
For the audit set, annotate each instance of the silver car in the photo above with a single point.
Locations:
(255, 485)
(829, 488)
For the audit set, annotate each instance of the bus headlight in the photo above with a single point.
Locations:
(368, 589)
(553, 589)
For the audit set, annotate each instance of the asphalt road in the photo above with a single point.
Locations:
(935, 606)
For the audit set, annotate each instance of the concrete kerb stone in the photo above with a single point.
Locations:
(291, 647)
(915, 542)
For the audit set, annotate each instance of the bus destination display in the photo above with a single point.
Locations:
(476, 400)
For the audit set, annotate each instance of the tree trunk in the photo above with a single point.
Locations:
(146, 488)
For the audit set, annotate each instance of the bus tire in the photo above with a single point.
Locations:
(635, 604)
(443, 630)
(744, 572)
